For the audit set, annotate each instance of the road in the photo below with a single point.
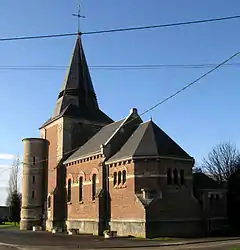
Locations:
(11, 240)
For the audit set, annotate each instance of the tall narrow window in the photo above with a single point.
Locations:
(33, 194)
(94, 179)
(114, 178)
(175, 176)
(49, 202)
(169, 176)
(182, 180)
(34, 160)
(81, 188)
(33, 179)
(124, 176)
(69, 190)
(119, 177)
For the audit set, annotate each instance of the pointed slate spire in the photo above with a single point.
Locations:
(77, 88)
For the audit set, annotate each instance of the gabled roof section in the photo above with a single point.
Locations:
(77, 91)
(113, 135)
(149, 140)
(94, 144)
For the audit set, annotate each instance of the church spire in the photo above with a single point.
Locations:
(77, 88)
(77, 98)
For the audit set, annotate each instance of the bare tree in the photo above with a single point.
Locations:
(222, 161)
(13, 183)
(197, 168)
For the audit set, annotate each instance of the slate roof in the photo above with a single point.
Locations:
(202, 181)
(94, 144)
(149, 140)
(77, 97)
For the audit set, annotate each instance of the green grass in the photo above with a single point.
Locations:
(9, 225)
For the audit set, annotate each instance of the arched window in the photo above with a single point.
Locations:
(124, 176)
(69, 190)
(94, 179)
(119, 177)
(114, 179)
(182, 180)
(169, 176)
(49, 202)
(81, 188)
(175, 176)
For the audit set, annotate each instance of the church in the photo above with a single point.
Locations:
(91, 174)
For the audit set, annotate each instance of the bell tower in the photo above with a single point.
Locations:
(76, 118)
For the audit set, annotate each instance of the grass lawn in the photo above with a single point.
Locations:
(9, 225)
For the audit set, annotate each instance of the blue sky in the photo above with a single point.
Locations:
(198, 119)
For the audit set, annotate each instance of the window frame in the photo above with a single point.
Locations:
(94, 186)
(175, 177)
(124, 177)
(33, 179)
(119, 179)
(169, 176)
(69, 190)
(115, 178)
(80, 189)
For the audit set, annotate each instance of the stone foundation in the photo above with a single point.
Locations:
(174, 228)
(85, 227)
(49, 225)
(158, 228)
(129, 228)
(27, 224)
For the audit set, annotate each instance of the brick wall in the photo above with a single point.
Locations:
(177, 201)
(87, 209)
(53, 133)
(124, 204)
(51, 136)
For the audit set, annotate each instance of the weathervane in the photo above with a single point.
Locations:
(79, 16)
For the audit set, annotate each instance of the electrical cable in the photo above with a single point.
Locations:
(163, 101)
(120, 29)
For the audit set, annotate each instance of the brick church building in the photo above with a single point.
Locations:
(128, 176)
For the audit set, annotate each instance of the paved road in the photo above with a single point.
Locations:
(11, 240)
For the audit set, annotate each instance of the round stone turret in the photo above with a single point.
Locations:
(34, 182)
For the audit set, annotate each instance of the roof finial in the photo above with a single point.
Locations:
(79, 16)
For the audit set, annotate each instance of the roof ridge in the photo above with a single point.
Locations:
(132, 112)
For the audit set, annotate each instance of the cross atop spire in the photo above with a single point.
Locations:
(79, 16)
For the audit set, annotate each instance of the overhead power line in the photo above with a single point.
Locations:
(37, 37)
(118, 67)
(162, 25)
(121, 29)
(191, 83)
(163, 101)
